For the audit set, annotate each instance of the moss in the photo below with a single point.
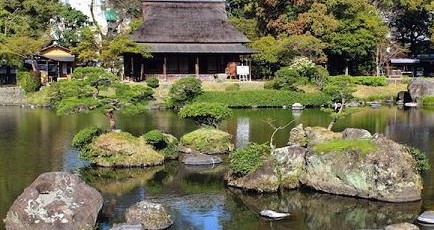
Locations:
(339, 145)
(208, 141)
(120, 149)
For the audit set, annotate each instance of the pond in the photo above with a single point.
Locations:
(33, 141)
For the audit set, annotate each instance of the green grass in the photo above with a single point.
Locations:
(340, 145)
(428, 101)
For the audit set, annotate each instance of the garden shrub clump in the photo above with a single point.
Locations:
(206, 113)
(85, 136)
(422, 161)
(263, 98)
(362, 80)
(184, 90)
(428, 101)
(248, 159)
(162, 142)
(153, 82)
(28, 82)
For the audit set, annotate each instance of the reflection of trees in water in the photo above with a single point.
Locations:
(310, 210)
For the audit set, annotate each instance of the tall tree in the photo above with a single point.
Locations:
(66, 26)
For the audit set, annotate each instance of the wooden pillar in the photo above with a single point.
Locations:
(196, 67)
(165, 67)
(142, 71)
(58, 70)
(132, 67)
(250, 69)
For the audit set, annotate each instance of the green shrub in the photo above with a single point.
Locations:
(84, 72)
(85, 136)
(362, 80)
(285, 79)
(206, 113)
(263, 98)
(28, 81)
(233, 87)
(422, 162)
(153, 82)
(156, 138)
(184, 90)
(428, 101)
(336, 145)
(248, 159)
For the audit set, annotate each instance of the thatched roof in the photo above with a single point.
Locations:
(234, 48)
(186, 21)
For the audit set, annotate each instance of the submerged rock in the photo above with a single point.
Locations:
(207, 141)
(149, 215)
(120, 149)
(201, 159)
(55, 200)
(388, 173)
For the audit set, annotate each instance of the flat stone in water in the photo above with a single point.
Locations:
(401, 226)
(127, 226)
(201, 159)
(427, 217)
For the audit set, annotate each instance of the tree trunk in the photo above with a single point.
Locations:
(111, 117)
(377, 61)
(341, 109)
(92, 14)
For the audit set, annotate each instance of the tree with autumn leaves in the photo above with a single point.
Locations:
(350, 36)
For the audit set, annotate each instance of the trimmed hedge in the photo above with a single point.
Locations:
(363, 80)
(428, 101)
(263, 98)
(28, 81)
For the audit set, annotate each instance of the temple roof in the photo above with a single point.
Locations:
(186, 21)
(234, 48)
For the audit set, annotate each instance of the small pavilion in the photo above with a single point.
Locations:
(55, 62)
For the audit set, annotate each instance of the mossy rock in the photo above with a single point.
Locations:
(121, 149)
(207, 141)
(171, 152)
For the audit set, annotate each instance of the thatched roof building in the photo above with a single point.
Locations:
(186, 37)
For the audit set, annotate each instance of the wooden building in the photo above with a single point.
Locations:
(55, 62)
(186, 37)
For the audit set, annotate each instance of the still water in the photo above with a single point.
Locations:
(33, 141)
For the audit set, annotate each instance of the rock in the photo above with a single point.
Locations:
(171, 152)
(55, 200)
(273, 214)
(282, 168)
(207, 141)
(127, 226)
(297, 106)
(420, 87)
(351, 133)
(201, 159)
(121, 149)
(149, 215)
(401, 226)
(411, 104)
(297, 136)
(317, 135)
(426, 217)
(403, 96)
(388, 173)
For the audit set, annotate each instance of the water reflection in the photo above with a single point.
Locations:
(37, 141)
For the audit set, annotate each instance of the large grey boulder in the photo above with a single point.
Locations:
(281, 169)
(352, 133)
(420, 87)
(297, 136)
(149, 215)
(55, 200)
(388, 173)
